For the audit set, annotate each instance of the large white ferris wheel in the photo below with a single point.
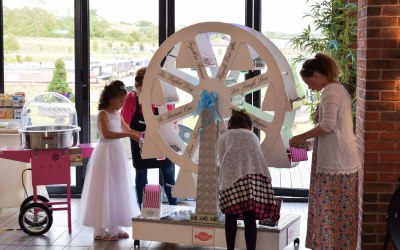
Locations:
(213, 57)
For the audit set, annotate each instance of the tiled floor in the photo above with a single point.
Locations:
(82, 238)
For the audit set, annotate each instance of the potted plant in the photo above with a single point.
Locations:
(335, 23)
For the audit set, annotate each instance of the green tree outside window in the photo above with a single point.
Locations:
(59, 82)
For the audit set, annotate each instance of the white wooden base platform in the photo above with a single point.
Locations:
(213, 235)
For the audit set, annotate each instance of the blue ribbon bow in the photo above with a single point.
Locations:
(208, 101)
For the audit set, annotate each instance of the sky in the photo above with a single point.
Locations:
(278, 15)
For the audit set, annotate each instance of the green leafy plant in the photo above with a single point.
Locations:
(59, 82)
(335, 23)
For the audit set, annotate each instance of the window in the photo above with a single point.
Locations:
(191, 12)
(280, 29)
(36, 35)
(281, 21)
(123, 38)
(39, 49)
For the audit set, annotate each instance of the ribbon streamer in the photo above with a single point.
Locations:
(208, 101)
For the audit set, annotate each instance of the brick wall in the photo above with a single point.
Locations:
(378, 112)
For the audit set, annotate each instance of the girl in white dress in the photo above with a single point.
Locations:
(108, 198)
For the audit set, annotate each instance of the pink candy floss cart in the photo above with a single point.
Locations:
(49, 141)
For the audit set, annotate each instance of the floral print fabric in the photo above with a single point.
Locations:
(332, 210)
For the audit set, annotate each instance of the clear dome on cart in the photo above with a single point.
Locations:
(49, 109)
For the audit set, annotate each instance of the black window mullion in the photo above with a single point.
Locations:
(249, 13)
(249, 23)
(170, 18)
(82, 65)
(166, 20)
(162, 17)
(1, 48)
(257, 26)
(253, 20)
(166, 27)
(257, 15)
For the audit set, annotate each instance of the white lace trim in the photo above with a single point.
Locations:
(337, 171)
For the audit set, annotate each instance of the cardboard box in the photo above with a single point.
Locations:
(6, 112)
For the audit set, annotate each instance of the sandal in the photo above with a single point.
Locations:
(106, 237)
(123, 235)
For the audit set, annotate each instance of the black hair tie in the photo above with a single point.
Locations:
(139, 79)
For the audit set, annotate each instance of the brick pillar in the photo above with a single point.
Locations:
(378, 116)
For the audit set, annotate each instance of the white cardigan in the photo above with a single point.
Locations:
(239, 154)
(337, 147)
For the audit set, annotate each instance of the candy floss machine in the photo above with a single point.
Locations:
(50, 142)
(49, 121)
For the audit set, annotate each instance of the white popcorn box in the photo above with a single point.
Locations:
(151, 201)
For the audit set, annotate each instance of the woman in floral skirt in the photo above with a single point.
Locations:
(333, 198)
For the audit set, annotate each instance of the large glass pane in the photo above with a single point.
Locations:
(281, 28)
(123, 38)
(191, 12)
(281, 21)
(36, 35)
(39, 50)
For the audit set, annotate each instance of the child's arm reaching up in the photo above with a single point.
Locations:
(135, 135)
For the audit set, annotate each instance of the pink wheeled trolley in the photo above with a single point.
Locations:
(49, 167)
(49, 140)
